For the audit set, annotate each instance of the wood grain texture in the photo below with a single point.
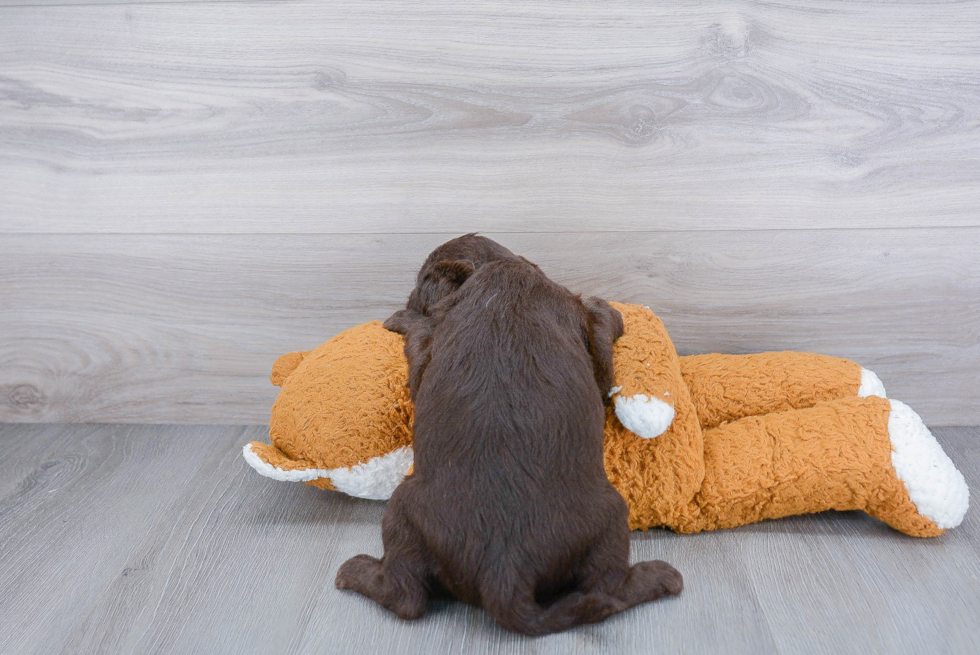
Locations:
(76, 502)
(327, 117)
(155, 328)
(159, 539)
(888, 603)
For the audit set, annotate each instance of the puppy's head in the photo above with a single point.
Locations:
(444, 271)
(449, 265)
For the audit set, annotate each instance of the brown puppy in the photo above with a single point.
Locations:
(509, 506)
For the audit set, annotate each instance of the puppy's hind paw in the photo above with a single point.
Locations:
(654, 579)
(358, 572)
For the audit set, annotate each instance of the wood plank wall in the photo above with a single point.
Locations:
(189, 189)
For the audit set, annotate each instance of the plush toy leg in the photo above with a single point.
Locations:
(870, 454)
(729, 387)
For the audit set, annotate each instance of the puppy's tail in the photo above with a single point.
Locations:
(522, 614)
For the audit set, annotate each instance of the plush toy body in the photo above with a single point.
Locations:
(692, 443)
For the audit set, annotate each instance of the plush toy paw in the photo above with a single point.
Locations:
(644, 416)
(935, 486)
(870, 385)
(374, 479)
(648, 374)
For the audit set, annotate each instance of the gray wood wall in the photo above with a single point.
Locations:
(189, 189)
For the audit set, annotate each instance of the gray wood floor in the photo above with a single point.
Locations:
(159, 539)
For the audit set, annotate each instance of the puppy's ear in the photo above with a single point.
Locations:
(454, 273)
(436, 282)
(417, 330)
(604, 325)
(417, 351)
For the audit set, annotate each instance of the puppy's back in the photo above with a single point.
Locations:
(510, 379)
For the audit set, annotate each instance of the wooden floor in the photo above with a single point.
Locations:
(159, 539)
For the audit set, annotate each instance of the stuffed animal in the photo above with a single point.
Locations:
(692, 443)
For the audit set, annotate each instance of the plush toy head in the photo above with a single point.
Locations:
(343, 418)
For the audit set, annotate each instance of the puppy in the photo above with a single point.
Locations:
(508, 506)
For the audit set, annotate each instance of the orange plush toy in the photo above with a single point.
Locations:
(692, 443)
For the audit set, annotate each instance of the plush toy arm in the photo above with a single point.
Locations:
(871, 454)
(648, 382)
(729, 387)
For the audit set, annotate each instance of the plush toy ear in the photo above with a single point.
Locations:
(285, 365)
(343, 419)
(604, 326)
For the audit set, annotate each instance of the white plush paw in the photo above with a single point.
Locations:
(276, 473)
(644, 416)
(374, 479)
(933, 482)
(870, 385)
